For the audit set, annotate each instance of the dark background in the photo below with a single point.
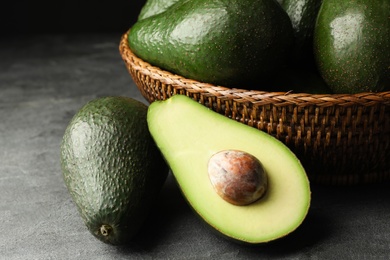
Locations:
(71, 16)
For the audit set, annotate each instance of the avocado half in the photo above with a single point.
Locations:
(188, 134)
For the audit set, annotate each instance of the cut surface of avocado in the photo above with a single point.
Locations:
(188, 134)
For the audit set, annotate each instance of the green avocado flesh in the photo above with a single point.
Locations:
(188, 134)
(112, 167)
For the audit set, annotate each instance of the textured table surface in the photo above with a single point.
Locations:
(44, 80)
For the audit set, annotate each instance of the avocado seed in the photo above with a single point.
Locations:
(238, 177)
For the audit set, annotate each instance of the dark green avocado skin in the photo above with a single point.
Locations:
(303, 15)
(111, 166)
(352, 45)
(153, 7)
(233, 43)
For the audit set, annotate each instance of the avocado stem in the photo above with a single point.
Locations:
(105, 230)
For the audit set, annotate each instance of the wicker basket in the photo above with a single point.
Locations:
(340, 139)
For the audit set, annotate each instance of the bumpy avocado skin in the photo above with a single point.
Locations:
(352, 43)
(153, 7)
(112, 167)
(223, 42)
(303, 15)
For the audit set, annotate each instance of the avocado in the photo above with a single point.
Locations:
(153, 7)
(195, 139)
(112, 167)
(352, 43)
(303, 15)
(224, 42)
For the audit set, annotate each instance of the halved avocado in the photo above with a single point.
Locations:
(188, 134)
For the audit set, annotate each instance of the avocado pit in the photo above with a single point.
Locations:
(238, 177)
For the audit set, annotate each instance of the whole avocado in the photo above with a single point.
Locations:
(303, 15)
(111, 167)
(352, 43)
(223, 42)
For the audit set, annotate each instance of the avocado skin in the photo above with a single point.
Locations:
(352, 43)
(224, 42)
(303, 15)
(111, 166)
(153, 7)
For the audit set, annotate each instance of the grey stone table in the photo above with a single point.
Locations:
(44, 80)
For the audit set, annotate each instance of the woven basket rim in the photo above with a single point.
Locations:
(246, 95)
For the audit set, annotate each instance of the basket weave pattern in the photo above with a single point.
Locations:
(340, 138)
